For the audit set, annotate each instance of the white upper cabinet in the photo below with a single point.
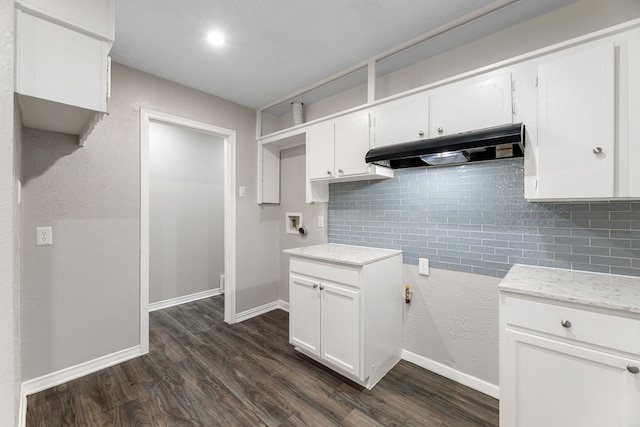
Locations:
(320, 151)
(401, 120)
(62, 64)
(352, 144)
(576, 125)
(587, 140)
(471, 104)
(336, 149)
(335, 152)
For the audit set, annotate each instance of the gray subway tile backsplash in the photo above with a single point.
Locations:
(474, 218)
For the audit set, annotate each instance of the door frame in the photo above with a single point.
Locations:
(229, 137)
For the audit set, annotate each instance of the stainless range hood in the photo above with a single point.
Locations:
(485, 144)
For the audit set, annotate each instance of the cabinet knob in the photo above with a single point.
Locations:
(329, 173)
(315, 285)
(597, 150)
(340, 171)
(633, 369)
(440, 130)
(565, 323)
(321, 288)
(421, 134)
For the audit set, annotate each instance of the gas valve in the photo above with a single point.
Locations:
(407, 294)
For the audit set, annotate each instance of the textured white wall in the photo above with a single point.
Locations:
(9, 218)
(81, 295)
(453, 320)
(186, 211)
(292, 199)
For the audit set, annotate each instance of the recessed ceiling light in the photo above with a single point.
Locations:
(215, 38)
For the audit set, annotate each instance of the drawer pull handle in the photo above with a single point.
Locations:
(565, 323)
(633, 369)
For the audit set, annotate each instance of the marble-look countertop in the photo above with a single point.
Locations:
(595, 289)
(345, 254)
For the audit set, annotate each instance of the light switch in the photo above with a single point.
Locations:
(44, 236)
(242, 191)
(320, 221)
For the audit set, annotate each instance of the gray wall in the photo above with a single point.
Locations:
(186, 210)
(292, 199)
(80, 297)
(9, 227)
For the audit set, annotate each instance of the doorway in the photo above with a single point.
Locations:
(151, 123)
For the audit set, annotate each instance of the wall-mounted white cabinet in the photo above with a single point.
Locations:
(346, 314)
(471, 104)
(576, 128)
(587, 140)
(402, 120)
(320, 151)
(336, 148)
(336, 151)
(62, 67)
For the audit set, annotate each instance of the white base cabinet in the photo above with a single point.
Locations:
(347, 317)
(564, 364)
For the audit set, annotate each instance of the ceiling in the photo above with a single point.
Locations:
(277, 47)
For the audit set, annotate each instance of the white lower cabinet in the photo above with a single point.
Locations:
(348, 318)
(564, 364)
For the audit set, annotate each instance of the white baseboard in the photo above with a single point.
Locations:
(275, 305)
(22, 415)
(71, 373)
(183, 299)
(283, 305)
(448, 372)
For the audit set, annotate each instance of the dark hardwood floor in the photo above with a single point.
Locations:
(203, 372)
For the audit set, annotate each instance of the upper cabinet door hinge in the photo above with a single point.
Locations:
(535, 81)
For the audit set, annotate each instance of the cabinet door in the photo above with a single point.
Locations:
(304, 315)
(352, 144)
(61, 65)
(402, 120)
(471, 105)
(340, 319)
(576, 125)
(320, 151)
(549, 383)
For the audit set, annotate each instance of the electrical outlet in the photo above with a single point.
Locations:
(242, 191)
(44, 236)
(423, 266)
(320, 221)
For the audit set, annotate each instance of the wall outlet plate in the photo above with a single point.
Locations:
(44, 236)
(423, 266)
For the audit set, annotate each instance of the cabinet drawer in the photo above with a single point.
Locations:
(615, 332)
(326, 271)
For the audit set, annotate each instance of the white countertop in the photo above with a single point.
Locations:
(345, 254)
(595, 289)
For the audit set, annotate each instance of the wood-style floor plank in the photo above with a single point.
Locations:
(201, 371)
